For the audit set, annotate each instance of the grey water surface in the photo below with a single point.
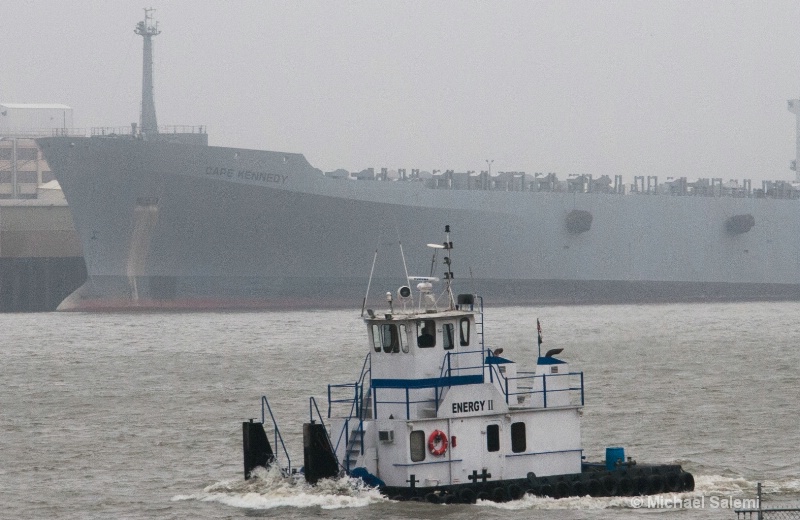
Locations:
(139, 415)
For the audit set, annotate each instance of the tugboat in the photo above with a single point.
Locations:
(437, 415)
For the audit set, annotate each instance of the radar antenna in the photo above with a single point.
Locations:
(147, 29)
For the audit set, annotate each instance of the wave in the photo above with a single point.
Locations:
(269, 489)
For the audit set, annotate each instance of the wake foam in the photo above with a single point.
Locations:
(269, 489)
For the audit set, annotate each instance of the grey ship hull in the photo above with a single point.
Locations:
(167, 225)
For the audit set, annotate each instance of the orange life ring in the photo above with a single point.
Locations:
(437, 437)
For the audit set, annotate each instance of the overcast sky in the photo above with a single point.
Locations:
(667, 88)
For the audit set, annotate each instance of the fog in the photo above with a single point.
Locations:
(674, 88)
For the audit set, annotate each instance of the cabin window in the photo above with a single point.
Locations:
(493, 437)
(464, 325)
(417, 445)
(376, 337)
(390, 339)
(426, 333)
(518, 437)
(403, 338)
(447, 336)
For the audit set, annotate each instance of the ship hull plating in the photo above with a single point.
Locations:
(167, 225)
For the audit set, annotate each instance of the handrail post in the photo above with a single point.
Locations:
(760, 509)
(361, 429)
(582, 401)
(355, 401)
(544, 389)
(361, 401)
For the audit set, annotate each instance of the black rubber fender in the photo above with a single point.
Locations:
(641, 485)
(594, 487)
(433, 498)
(655, 484)
(624, 487)
(483, 495)
(562, 489)
(673, 482)
(688, 481)
(609, 486)
(467, 496)
(514, 492)
(499, 494)
(578, 489)
(546, 490)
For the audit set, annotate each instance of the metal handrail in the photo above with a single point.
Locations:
(531, 376)
(358, 398)
(312, 405)
(278, 436)
(356, 408)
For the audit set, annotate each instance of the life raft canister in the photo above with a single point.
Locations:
(437, 437)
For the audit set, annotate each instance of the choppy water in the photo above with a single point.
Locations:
(138, 415)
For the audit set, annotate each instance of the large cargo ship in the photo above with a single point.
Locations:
(166, 221)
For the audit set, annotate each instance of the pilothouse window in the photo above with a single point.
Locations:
(426, 333)
(385, 336)
(464, 325)
(447, 336)
(376, 337)
(391, 340)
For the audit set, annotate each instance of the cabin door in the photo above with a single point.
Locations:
(493, 450)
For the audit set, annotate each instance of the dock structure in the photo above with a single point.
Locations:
(41, 260)
(767, 513)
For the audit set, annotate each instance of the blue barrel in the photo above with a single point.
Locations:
(614, 456)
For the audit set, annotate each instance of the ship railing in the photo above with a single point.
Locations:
(114, 131)
(411, 396)
(313, 411)
(357, 408)
(451, 369)
(278, 438)
(355, 390)
(411, 392)
(457, 369)
(32, 133)
(528, 386)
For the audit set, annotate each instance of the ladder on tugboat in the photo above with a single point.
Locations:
(355, 447)
(361, 407)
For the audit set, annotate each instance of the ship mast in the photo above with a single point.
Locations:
(147, 29)
(794, 107)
